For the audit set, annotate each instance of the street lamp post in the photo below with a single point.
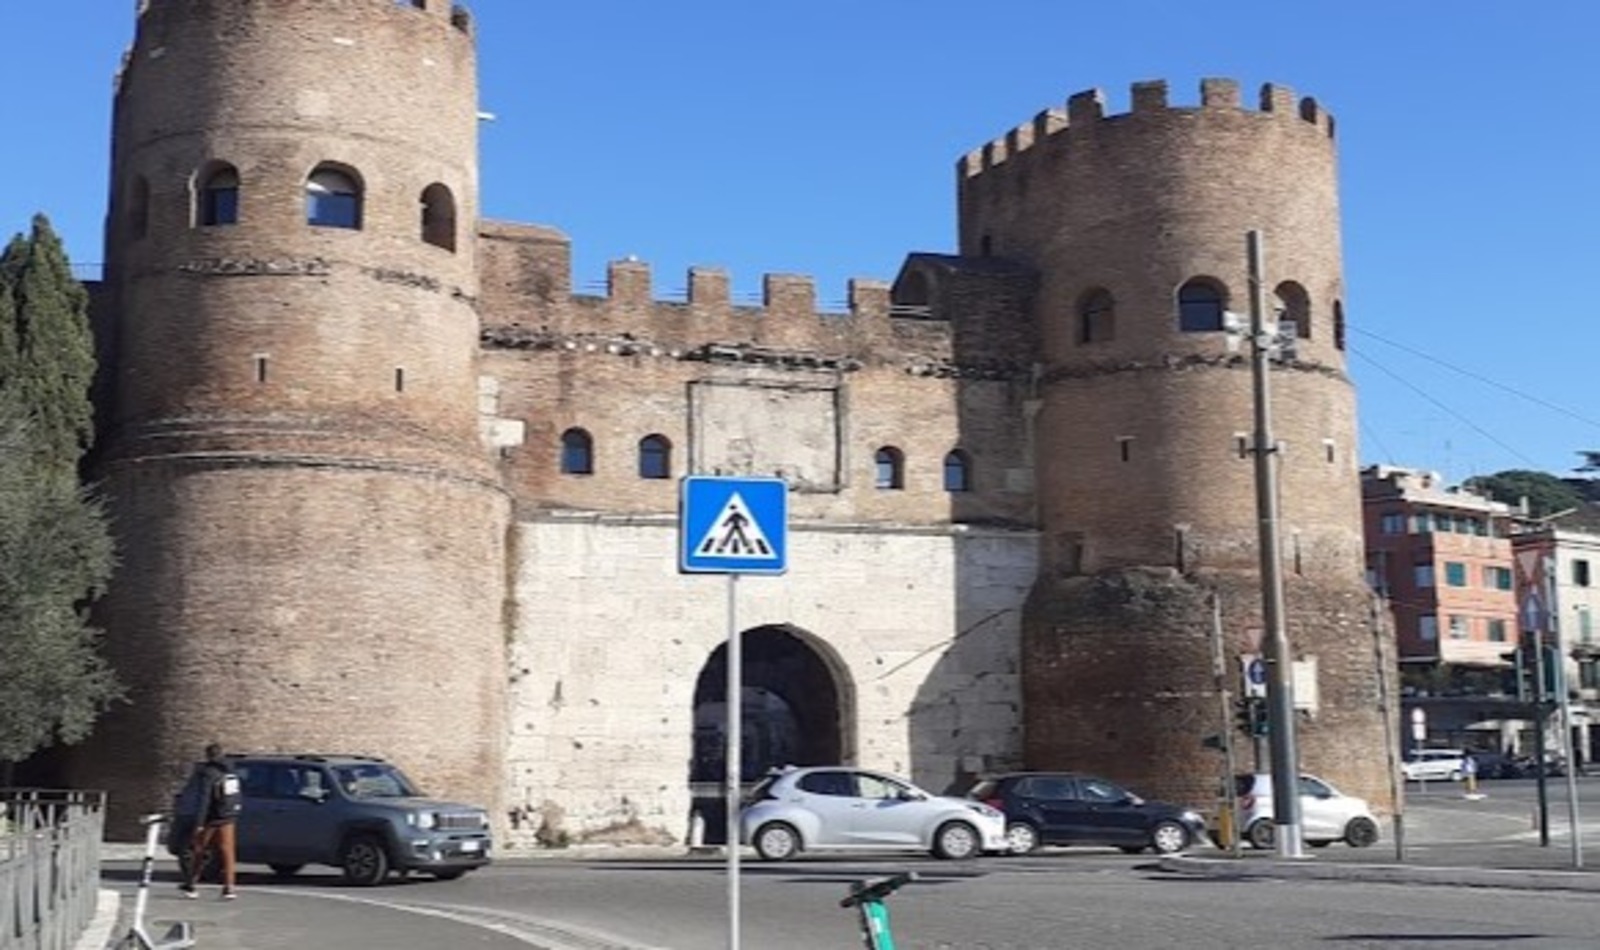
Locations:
(1280, 683)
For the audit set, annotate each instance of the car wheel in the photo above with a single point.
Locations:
(449, 875)
(1361, 833)
(956, 841)
(777, 841)
(286, 870)
(1169, 837)
(1262, 835)
(365, 861)
(1022, 837)
(1455, 775)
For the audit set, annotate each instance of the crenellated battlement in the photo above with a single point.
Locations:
(1085, 110)
(458, 16)
(526, 294)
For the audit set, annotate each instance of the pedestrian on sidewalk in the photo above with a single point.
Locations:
(216, 801)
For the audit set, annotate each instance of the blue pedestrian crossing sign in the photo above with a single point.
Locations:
(733, 525)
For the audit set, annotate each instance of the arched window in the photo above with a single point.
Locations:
(333, 198)
(439, 217)
(577, 453)
(1294, 306)
(1200, 304)
(1097, 317)
(138, 207)
(891, 468)
(655, 457)
(1338, 324)
(217, 198)
(957, 471)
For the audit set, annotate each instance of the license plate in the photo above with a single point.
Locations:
(469, 846)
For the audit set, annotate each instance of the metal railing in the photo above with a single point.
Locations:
(49, 866)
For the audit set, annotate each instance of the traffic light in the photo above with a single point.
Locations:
(1250, 715)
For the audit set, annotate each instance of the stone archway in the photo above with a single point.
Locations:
(796, 709)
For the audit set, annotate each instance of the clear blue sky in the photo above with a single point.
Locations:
(820, 138)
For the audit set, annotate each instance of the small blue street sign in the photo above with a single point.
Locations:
(732, 525)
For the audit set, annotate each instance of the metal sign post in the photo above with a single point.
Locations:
(733, 526)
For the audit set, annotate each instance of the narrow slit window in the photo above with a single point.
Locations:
(889, 464)
(261, 369)
(138, 207)
(1200, 305)
(399, 379)
(577, 453)
(957, 472)
(1097, 317)
(1125, 447)
(333, 198)
(655, 457)
(439, 217)
(218, 200)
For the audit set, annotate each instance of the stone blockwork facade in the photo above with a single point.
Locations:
(385, 484)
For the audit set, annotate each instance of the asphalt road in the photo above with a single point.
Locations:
(1061, 898)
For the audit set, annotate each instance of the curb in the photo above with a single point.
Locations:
(1307, 869)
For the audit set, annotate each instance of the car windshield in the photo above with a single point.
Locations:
(374, 780)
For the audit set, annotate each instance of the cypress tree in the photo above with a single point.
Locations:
(55, 548)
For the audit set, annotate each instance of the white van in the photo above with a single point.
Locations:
(1435, 764)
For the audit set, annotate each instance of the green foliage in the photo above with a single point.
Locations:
(1546, 493)
(55, 547)
(54, 350)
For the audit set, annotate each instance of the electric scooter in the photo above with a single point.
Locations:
(180, 935)
(869, 896)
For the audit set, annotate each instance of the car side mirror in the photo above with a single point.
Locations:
(1133, 800)
(907, 795)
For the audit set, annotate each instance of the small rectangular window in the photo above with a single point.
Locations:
(1580, 572)
(261, 369)
(1428, 627)
(1585, 624)
(1497, 631)
(1421, 523)
(1422, 575)
(1460, 627)
(1393, 522)
(1455, 573)
(399, 379)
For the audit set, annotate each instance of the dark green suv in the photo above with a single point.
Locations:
(353, 812)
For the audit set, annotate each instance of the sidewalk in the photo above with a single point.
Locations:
(1311, 868)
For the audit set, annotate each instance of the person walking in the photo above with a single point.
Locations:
(216, 805)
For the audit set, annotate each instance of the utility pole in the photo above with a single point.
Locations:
(1280, 683)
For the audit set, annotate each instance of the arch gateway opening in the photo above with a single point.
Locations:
(796, 709)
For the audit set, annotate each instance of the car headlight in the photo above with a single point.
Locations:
(421, 819)
(985, 810)
(1191, 817)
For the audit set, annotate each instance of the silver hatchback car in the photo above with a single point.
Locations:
(838, 808)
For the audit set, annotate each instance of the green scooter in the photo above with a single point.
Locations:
(868, 896)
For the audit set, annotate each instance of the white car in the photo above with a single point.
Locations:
(1439, 764)
(1326, 814)
(839, 808)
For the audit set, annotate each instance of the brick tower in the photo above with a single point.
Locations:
(311, 534)
(1136, 225)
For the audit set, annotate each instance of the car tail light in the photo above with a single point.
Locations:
(994, 803)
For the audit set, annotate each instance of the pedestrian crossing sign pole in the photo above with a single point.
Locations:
(733, 526)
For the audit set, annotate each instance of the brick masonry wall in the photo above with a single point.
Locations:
(920, 627)
(311, 533)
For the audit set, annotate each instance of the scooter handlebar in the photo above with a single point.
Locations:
(877, 888)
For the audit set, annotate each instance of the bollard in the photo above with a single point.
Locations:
(697, 830)
(1225, 830)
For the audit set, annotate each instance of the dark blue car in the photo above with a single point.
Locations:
(1070, 808)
